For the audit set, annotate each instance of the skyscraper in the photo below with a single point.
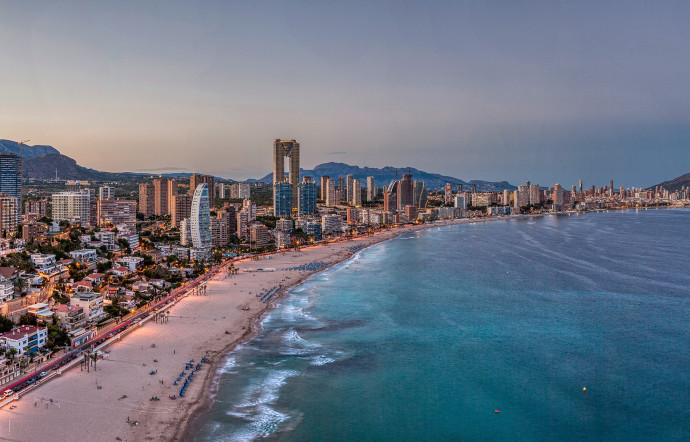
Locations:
(420, 194)
(371, 189)
(106, 193)
(349, 183)
(160, 189)
(282, 199)
(405, 192)
(8, 215)
(448, 193)
(181, 208)
(147, 196)
(307, 199)
(324, 180)
(72, 207)
(11, 178)
(286, 149)
(172, 193)
(342, 190)
(200, 219)
(330, 193)
(356, 193)
(195, 180)
(580, 185)
(611, 188)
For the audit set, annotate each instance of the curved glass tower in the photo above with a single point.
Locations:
(200, 219)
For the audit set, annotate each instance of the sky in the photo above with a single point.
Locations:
(548, 91)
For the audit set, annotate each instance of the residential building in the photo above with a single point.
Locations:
(228, 211)
(461, 202)
(342, 191)
(8, 215)
(405, 192)
(106, 192)
(199, 253)
(307, 199)
(534, 194)
(185, 232)
(286, 149)
(44, 263)
(331, 224)
(115, 212)
(160, 188)
(259, 235)
(9, 370)
(282, 240)
(349, 183)
(284, 225)
(420, 194)
(448, 193)
(171, 194)
(282, 199)
(356, 197)
(39, 208)
(131, 262)
(33, 231)
(147, 197)
(330, 193)
(389, 202)
(72, 207)
(324, 180)
(6, 289)
(196, 180)
(25, 339)
(219, 231)
(84, 256)
(371, 189)
(11, 179)
(180, 208)
(91, 303)
(200, 218)
(250, 208)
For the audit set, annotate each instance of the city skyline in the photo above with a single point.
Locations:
(551, 93)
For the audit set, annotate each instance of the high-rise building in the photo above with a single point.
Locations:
(506, 197)
(160, 189)
(580, 186)
(558, 195)
(349, 182)
(259, 235)
(356, 193)
(195, 180)
(185, 232)
(106, 193)
(342, 190)
(324, 180)
(307, 199)
(200, 219)
(330, 193)
(72, 207)
(286, 149)
(611, 188)
(39, 208)
(461, 202)
(11, 179)
(371, 189)
(249, 207)
(220, 235)
(420, 194)
(282, 199)
(8, 215)
(240, 191)
(448, 193)
(534, 194)
(181, 208)
(523, 196)
(147, 196)
(228, 211)
(172, 193)
(389, 202)
(459, 188)
(405, 192)
(474, 188)
(116, 212)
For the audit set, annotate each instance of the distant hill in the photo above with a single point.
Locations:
(675, 184)
(383, 176)
(43, 168)
(29, 151)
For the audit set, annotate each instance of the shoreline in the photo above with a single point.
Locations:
(199, 407)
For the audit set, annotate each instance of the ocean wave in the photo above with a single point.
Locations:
(229, 363)
(321, 360)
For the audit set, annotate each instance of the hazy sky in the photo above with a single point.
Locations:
(546, 91)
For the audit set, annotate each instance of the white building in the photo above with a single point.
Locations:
(107, 239)
(72, 207)
(106, 193)
(461, 202)
(84, 256)
(131, 262)
(200, 219)
(331, 224)
(44, 263)
(199, 253)
(92, 303)
(6, 289)
(282, 239)
(25, 339)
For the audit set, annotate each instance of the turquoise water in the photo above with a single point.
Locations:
(424, 336)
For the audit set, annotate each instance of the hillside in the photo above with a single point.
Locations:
(44, 167)
(676, 183)
(29, 151)
(383, 176)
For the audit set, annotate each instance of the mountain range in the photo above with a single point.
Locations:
(675, 184)
(384, 176)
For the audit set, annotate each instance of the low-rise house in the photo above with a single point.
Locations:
(43, 262)
(9, 370)
(120, 271)
(132, 262)
(70, 317)
(82, 286)
(107, 239)
(10, 273)
(92, 303)
(160, 283)
(140, 286)
(41, 311)
(80, 335)
(96, 278)
(25, 339)
(84, 256)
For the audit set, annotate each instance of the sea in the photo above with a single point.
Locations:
(553, 328)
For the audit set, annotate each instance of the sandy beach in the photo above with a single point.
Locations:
(113, 401)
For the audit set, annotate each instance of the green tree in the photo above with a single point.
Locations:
(6, 324)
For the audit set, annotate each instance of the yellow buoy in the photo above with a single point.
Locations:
(584, 389)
